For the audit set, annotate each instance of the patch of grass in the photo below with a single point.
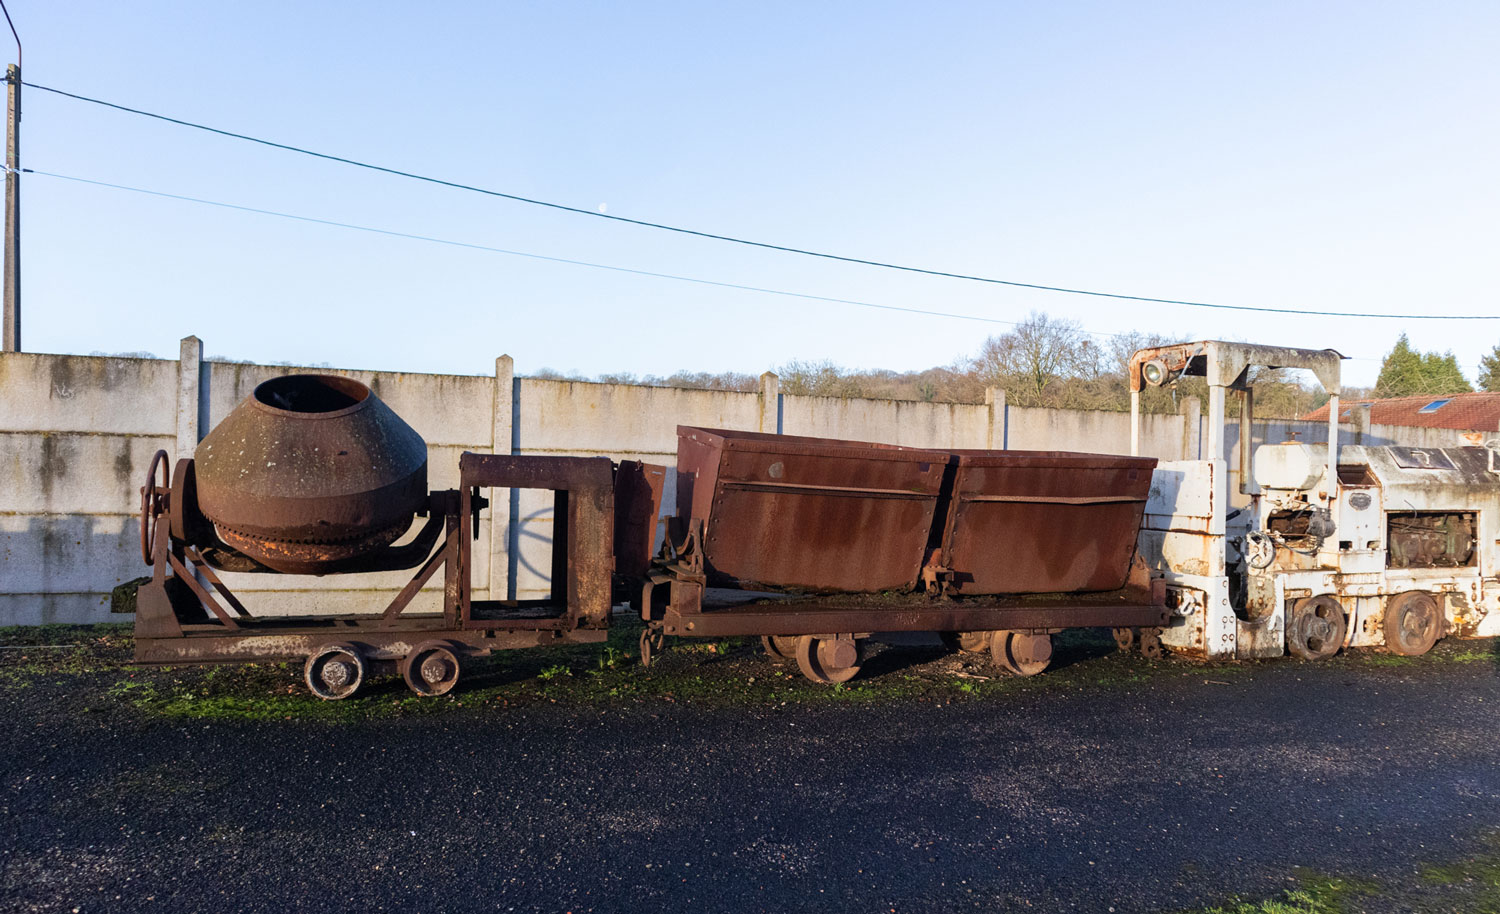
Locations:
(1334, 893)
(721, 648)
(1470, 884)
(57, 633)
(1294, 902)
(725, 673)
(31, 650)
(1316, 893)
(1477, 876)
(1472, 657)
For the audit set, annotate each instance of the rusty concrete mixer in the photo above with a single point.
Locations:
(314, 475)
(311, 474)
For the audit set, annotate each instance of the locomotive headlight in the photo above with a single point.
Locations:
(1154, 372)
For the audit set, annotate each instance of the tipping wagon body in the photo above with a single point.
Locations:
(861, 538)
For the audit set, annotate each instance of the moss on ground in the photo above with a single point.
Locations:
(1477, 877)
(1470, 884)
(94, 662)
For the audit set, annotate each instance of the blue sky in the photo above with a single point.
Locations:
(1332, 156)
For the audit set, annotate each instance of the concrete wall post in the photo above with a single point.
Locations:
(996, 439)
(190, 397)
(770, 403)
(502, 441)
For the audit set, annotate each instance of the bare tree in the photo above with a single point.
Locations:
(819, 379)
(1028, 360)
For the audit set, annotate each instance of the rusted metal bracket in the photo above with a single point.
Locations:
(207, 599)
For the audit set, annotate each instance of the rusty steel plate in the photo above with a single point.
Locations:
(638, 494)
(1043, 521)
(814, 514)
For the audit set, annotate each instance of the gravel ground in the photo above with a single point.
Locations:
(1119, 786)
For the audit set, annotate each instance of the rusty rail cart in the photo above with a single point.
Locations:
(997, 549)
(313, 474)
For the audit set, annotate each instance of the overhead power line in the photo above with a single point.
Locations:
(550, 259)
(745, 241)
(494, 250)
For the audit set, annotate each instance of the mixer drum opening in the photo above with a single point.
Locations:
(311, 393)
(310, 474)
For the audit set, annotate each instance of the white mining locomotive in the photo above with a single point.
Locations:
(1361, 546)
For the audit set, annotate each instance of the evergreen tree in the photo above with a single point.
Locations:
(1401, 372)
(1442, 375)
(1407, 372)
(1489, 371)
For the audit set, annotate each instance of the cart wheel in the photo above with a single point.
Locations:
(1021, 653)
(431, 669)
(1413, 621)
(1124, 639)
(153, 502)
(780, 648)
(335, 671)
(1150, 643)
(1316, 628)
(653, 639)
(828, 660)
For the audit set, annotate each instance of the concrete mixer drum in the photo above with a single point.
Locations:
(310, 474)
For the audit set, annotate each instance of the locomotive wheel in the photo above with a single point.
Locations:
(431, 669)
(828, 660)
(1413, 621)
(153, 502)
(653, 639)
(966, 642)
(1124, 639)
(1316, 628)
(780, 648)
(1150, 643)
(335, 671)
(1021, 653)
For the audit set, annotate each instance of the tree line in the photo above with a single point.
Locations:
(1052, 362)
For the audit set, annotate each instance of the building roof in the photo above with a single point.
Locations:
(1478, 412)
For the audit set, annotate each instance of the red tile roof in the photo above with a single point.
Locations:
(1478, 412)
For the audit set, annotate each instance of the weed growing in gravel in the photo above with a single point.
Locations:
(1316, 894)
(1471, 884)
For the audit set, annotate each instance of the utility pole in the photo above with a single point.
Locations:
(13, 208)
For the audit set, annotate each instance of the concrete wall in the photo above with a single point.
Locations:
(577, 418)
(77, 433)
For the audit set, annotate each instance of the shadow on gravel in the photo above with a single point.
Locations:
(1080, 646)
(896, 658)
